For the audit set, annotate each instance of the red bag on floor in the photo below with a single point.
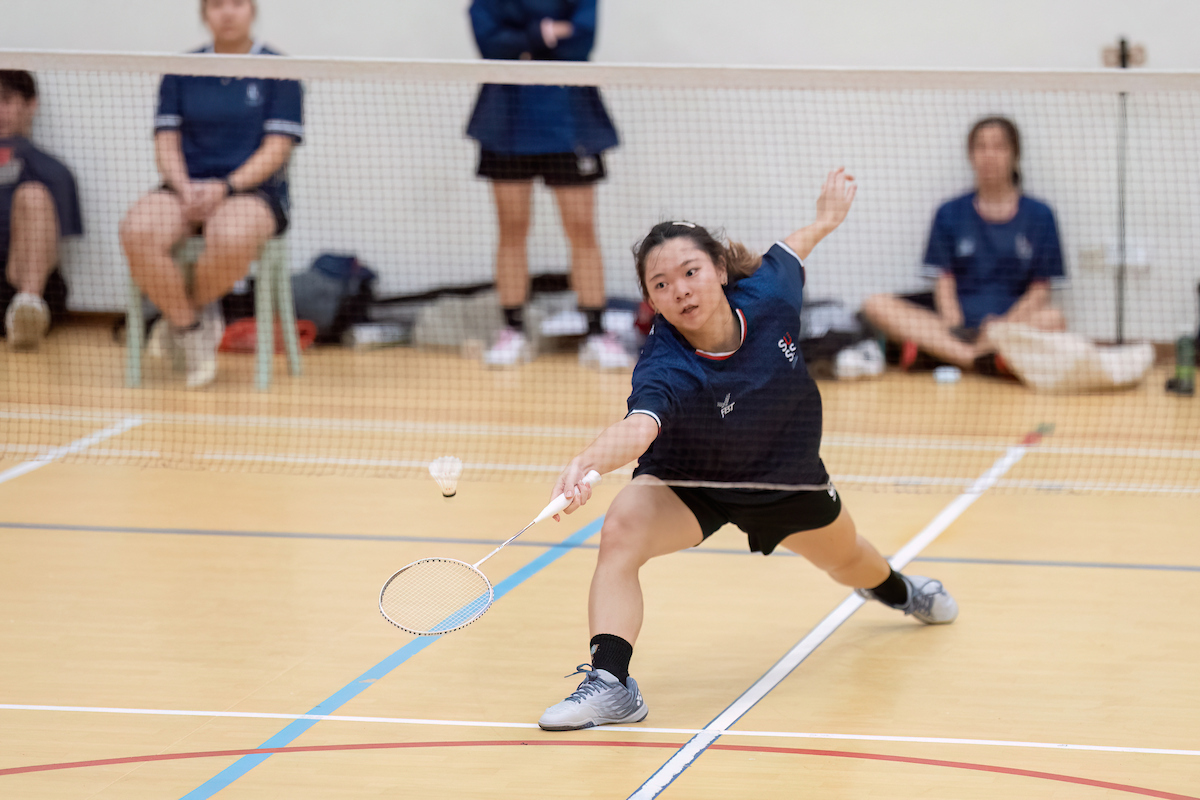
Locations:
(241, 336)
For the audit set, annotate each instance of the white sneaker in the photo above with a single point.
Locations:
(604, 351)
(200, 345)
(511, 348)
(27, 320)
(162, 343)
(600, 700)
(928, 600)
(863, 360)
(565, 323)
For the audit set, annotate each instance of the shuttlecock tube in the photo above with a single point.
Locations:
(446, 471)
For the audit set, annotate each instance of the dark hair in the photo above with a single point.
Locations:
(737, 261)
(19, 82)
(1010, 132)
(204, 7)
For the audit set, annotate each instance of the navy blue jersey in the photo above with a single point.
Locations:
(529, 120)
(222, 121)
(752, 415)
(22, 162)
(993, 264)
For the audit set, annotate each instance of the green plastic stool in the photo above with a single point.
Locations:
(272, 295)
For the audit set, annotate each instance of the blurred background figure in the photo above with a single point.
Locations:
(222, 146)
(993, 252)
(38, 204)
(554, 132)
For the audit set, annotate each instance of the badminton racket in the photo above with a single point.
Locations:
(439, 595)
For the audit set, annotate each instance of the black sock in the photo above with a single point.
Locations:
(595, 320)
(612, 653)
(893, 591)
(515, 318)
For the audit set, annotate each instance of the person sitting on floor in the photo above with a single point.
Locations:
(39, 204)
(993, 252)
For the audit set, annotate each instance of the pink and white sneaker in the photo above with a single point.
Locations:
(511, 348)
(604, 351)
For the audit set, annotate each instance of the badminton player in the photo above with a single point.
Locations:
(721, 395)
(222, 147)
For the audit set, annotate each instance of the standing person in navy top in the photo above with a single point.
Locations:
(222, 147)
(994, 253)
(726, 423)
(558, 133)
(38, 205)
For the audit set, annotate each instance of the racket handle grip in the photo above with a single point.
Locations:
(561, 502)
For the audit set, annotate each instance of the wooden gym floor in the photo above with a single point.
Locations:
(210, 628)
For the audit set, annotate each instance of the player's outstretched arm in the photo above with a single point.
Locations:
(832, 206)
(616, 446)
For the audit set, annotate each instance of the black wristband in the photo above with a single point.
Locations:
(229, 190)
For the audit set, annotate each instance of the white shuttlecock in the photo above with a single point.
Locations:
(446, 471)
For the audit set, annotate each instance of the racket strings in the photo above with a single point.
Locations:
(435, 595)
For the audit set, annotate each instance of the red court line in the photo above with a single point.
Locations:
(747, 748)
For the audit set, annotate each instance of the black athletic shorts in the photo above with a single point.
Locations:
(767, 517)
(925, 300)
(274, 201)
(556, 169)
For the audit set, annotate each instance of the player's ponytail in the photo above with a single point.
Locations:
(737, 260)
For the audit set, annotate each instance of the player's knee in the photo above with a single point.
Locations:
(875, 307)
(621, 537)
(1054, 320)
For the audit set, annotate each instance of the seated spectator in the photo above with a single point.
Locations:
(556, 133)
(38, 205)
(222, 147)
(993, 252)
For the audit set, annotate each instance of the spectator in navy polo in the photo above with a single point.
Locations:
(39, 204)
(993, 253)
(222, 146)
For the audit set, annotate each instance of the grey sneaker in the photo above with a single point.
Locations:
(599, 700)
(27, 319)
(928, 600)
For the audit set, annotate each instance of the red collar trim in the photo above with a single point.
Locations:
(723, 356)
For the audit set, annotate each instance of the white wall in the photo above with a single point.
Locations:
(1058, 34)
(397, 185)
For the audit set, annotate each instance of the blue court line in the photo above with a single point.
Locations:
(564, 545)
(360, 684)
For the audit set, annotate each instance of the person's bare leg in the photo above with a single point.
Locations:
(903, 321)
(838, 549)
(514, 201)
(576, 207)
(33, 244)
(646, 519)
(233, 237)
(148, 233)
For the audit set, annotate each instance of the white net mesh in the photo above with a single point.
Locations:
(386, 173)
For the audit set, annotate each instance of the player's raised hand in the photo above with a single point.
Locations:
(836, 197)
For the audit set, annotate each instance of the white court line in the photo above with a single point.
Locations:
(451, 723)
(74, 447)
(683, 758)
(551, 431)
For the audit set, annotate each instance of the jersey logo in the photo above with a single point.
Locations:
(726, 406)
(832, 492)
(788, 348)
(10, 168)
(966, 247)
(253, 95)
(1023, 247)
